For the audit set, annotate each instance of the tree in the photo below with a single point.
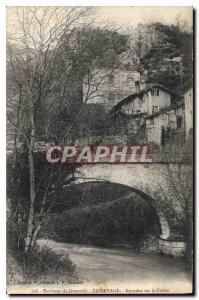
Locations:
(47, 61)
(179, 187)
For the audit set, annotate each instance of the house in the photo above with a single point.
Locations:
(188, 100)
(155, 110)
(165, 125)
(137, 106)
(147, 101)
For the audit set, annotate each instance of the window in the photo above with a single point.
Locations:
(190, 132)
(132, 111)
(155, 92)
(155, 109)
(178, 110)
(137, 86)
(110, 78)
(151, 121)
(190, 99)
(138, 111)
(179, 121)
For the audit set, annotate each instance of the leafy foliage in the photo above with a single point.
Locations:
(42, 265)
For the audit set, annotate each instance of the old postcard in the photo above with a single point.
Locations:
(100, 150)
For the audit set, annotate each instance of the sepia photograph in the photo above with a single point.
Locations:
(99, 150)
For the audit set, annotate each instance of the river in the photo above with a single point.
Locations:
(102, 265)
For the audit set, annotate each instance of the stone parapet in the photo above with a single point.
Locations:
(173, 248)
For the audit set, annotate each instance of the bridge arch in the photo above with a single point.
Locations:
(149, 181)
(165, 230)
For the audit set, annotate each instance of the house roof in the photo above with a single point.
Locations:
(141, 93)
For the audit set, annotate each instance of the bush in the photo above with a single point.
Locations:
(42, 265)
(119, 222)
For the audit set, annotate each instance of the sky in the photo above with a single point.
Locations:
(133, 15)
(125, 17)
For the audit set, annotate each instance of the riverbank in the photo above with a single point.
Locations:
(41, 266)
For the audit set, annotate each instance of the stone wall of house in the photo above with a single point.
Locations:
(108, 87)
(154, 130)
(173, 115)
(162, 101)
(166, 120)
(188, 97)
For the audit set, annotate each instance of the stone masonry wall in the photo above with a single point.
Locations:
(108, 87)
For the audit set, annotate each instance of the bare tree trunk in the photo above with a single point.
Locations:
(32, 184)
(188, 233)
(16, 137)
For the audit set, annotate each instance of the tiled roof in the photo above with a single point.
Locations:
(141, 93)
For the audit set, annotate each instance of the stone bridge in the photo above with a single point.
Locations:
(151, 182)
